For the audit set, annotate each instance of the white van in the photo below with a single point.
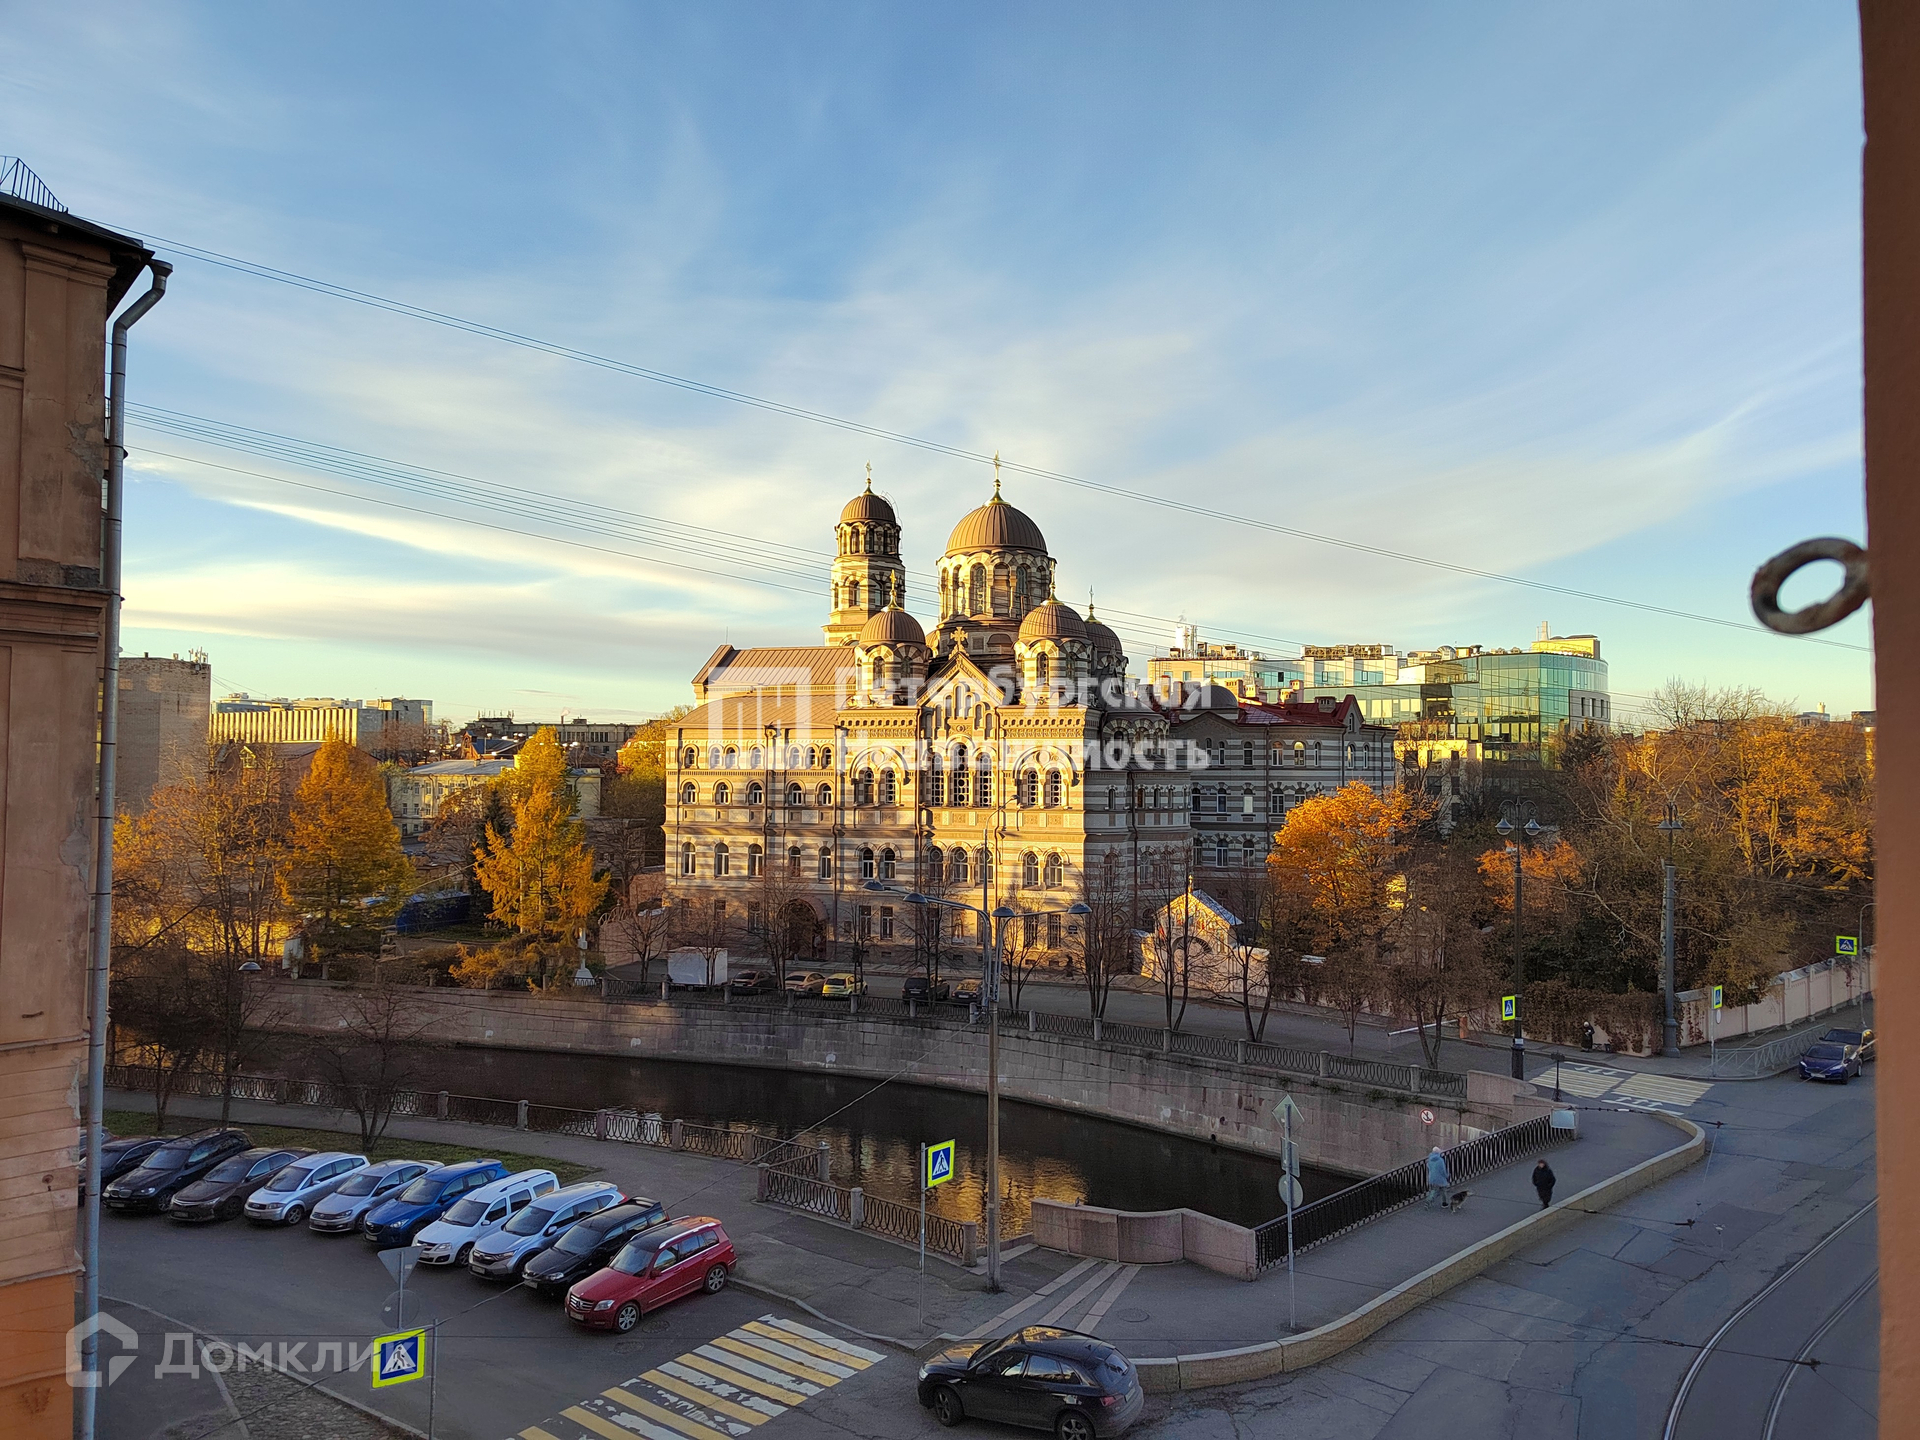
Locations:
(501, 1254)
(449, 1240)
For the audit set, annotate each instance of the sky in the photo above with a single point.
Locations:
(1569, 295)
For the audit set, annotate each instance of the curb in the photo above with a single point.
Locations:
(1297, 1352)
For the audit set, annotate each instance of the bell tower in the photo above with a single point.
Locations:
(867, 573)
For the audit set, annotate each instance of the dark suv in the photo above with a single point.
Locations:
(1075, 1385)
(590, 1244)
(397, 1221)
(220, 1193)
(171, 1168)
(920, 988)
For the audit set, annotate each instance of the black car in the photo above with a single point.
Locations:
(590, 1244)
(967, 992)
(1824, 1061)
(117, 1157)
(220, 1193)
(751, 982)
(927, 992)
(1860, 1040)
(171, 1167)
(1075, 1385)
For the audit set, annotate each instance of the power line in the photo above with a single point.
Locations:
(661, 377)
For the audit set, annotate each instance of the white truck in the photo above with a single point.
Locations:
(688, 969)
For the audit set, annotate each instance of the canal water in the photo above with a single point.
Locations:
(874, 1131)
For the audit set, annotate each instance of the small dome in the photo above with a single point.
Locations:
(1103, 640)
(892, 626)
(996, 525)
(868, 507)
(1052, 621)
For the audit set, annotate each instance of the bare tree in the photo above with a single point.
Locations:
(1435, 955)
(1167, 894)
(640, 921)
(1106, 935)
(382, 1048)
(709, 927)
(787, 921)
(160, 995)
(1350, 979)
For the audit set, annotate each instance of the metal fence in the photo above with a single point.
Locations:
(795, 1191)
(1381, 1194)
(790, 1185)
(1755, 1062)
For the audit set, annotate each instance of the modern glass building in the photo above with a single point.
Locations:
(1514, 703)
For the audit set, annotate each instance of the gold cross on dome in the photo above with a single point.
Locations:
(996, 474)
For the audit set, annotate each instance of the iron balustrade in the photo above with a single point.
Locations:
(1388, 1191)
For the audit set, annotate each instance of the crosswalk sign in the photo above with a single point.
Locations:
(1719, 996)
(1846, 944)
(1508, 1005)
(939, 1164)
(399, 1358)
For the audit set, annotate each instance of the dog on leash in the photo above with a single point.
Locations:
(1457, 1199)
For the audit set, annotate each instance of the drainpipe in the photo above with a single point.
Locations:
(103, 822)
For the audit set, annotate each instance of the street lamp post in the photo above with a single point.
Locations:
(1527, 832)
(1670, 1029)
(992, 923)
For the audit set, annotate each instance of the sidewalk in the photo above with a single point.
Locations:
(874, 1287)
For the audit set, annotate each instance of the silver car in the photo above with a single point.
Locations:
(342, 1211)
(286, 1199)
(500, 1255)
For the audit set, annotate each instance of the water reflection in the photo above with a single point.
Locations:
(874, 1133)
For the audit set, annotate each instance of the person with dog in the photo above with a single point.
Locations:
(1437, 1180)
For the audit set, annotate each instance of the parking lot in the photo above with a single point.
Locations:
(509, 1363)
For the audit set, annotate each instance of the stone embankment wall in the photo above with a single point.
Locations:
(1345, 1127)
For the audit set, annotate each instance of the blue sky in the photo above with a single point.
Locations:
(1564, 293)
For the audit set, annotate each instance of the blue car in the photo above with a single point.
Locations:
(397, 1221)
(1830, 1061)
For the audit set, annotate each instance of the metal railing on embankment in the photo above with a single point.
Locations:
(1381, 1194)
(789, 1186)
(1388, 1076)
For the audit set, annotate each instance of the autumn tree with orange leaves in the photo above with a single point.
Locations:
(1339, 857)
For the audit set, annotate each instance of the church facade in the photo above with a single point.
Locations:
(1002, 758)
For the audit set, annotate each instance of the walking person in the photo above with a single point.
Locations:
(1543, 1181)
(1437, 1180)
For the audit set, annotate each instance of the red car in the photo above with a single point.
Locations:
(653, 1268)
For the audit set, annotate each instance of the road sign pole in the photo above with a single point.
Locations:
(433, 1371)
(1286, 1123)
(923, 1234)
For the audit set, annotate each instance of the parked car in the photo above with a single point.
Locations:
(290, 1196)
(1825, 1060)
(927, 992)
(343, 1210)
(503, 1254)
(478, 1213)
(652, 1270)
(590, 1244)
(966, 992)
(1861, 1040)
(117, 1157)
(219, 1194)
(1075, 1385)
(170, 1168)
(397, 1221)
(843, 984)
(805, 982)
(752, 982)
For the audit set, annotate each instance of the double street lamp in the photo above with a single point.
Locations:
(1528, 832)
(992, 925)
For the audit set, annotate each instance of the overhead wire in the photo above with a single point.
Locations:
(718, 392)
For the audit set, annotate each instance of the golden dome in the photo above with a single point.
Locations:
(892, 626)
(868, 507)
(1101, 637)
(1052, 621)
(996, 525)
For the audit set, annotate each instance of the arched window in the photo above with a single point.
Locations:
(1246, 852)
(721, 858)
(756, 793)
(853, 590)
(1041, 667)
(689, 758)
(1220, 851)
(863, 788)
(689, 793)
(962, 790)
(936, 867)
(793, 757)
(826, 862)
(957, 866)
(733, 757)
(866, 862)
(793, 862)
(687, 862)
(889, 789)
(825, 796)
(1029, 870)
(755, 856)
(936, 781)
(1299, 752)
(1055, 790)
(887, 863)
(1246, 752)
(796, 794)
(713, 757)
(722, 794)
(813, 758)
(1349, 752)
(1051, 875)
(1246, 800)
(983, 780)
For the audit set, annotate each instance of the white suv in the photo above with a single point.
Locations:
(286, 1199)
(501, 1254)
(477, 1214)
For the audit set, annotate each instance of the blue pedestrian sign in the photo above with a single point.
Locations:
(1508, 1004)
(1846, 944)
(939, 1164)
(399, 1358)
(1719, 996)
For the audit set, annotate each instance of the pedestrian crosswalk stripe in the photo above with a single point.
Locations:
(697, 1396)
(778, 1362)
(800, 1342)
(1580, 1081)
(733, 1376)
(722, 1390)
(686, 1425)
(753, 1367)
(1664, 1087)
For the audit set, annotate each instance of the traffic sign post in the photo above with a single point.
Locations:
(1713, 1027)
(1846, 944)
(399, 1358)
(1509, 1006)
(936, 1168)
(1286, 1112)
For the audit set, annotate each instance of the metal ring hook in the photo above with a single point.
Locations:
(1851, 595)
